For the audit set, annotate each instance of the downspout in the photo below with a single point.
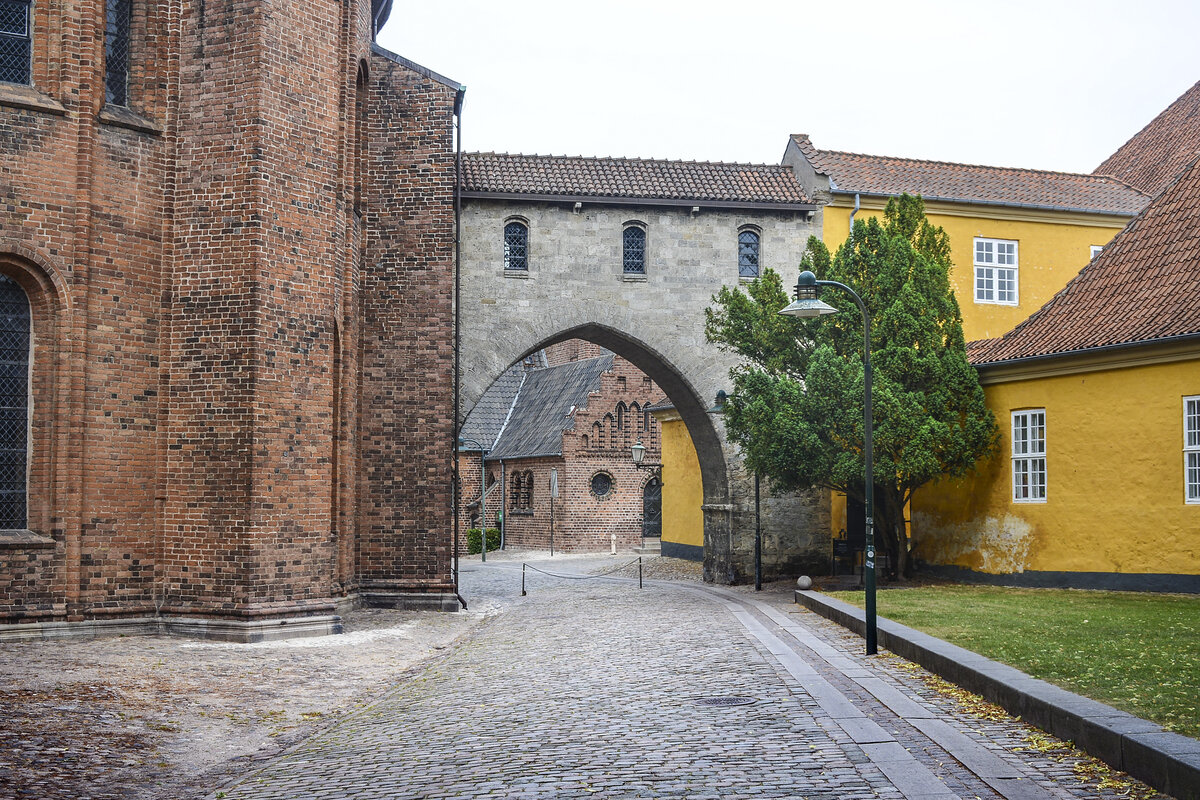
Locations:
(503, 498)
(458, 103)
(852, 213)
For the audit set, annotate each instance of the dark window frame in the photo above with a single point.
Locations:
(16, 358)
(603, 476)
(118, 44)
(16, 46)
(633, 249)
(516, 246)
(749, 253)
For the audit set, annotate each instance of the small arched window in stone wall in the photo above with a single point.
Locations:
(516, 246)
(621, 416)
(633, 250)
(748, 252)
(15, 340)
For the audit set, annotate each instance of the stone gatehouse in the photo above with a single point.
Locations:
(627, 254)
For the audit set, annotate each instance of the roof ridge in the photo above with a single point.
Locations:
(1115, 249)
(1091, 175)
(1146, 127)
(630, 159)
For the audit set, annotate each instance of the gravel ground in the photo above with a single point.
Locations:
(164, 718)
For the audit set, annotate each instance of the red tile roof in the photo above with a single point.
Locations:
(1143, 287)
(969, 183)
(1158, 152)
(577, 176)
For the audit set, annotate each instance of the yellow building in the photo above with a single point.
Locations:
(1016, 235)
(682, 492)
(1097, 483)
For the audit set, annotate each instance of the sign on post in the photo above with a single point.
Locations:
(554, 483)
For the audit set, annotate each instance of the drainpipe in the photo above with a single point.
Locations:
(458, 102)
(503, 497)
(852, 213)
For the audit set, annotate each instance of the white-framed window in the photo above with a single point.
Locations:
(1191, 449)
(996, 271)
(1029, 455)
(1096, 248)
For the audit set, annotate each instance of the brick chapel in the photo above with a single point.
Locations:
(226, 321)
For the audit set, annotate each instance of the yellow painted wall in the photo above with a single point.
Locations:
(683, 492)
(1114, 469)
(1051, 250)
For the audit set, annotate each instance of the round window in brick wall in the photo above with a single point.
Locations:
(602, 484)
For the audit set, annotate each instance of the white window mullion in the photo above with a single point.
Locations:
(1029, 456)
(1191, 449)
(996, 271)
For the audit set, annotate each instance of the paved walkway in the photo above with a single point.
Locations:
(598, 689)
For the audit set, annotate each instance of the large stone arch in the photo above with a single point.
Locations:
(712, 449)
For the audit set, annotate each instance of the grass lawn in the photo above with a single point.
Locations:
(1138, 652)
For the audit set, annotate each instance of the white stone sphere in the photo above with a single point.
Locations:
(804, 582)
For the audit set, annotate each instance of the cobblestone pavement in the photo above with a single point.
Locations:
(594, 688)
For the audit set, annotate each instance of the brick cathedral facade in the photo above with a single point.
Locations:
(232, 226)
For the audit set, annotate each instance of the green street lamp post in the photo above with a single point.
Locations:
(808, 305)
(482, 499)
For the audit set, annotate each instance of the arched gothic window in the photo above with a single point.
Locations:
(16, 41)
(116, 52)
(621, 416)
(527, 490)
(748, 241)
(15, 339)
(516, 246)
(633, 253)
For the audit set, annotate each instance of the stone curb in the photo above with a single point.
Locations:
(1167, 761)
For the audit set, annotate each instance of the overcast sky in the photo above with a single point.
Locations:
(1037, 83)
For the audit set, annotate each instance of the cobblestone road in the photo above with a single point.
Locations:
(595, 689)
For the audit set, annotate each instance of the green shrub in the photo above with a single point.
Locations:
(473, 540)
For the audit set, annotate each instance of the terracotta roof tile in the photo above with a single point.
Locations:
(971, 183)
(1144, 286)
(577, 176)
(1158, 152)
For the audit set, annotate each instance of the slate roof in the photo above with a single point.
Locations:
(545, 407)
(1143, 287)
(970, 183)
(1159, 151)
(487, 418)
(578, 176)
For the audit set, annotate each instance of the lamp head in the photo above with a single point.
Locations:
(639, 452)
(806, 304)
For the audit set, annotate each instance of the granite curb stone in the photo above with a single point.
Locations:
(1167, 761)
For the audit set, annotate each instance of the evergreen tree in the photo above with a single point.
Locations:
(797, 406)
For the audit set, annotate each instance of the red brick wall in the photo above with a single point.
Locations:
(404, 527)
(195, 266)
(584, 522)
(602, 440)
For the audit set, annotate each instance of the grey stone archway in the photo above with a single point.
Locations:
(574, 286)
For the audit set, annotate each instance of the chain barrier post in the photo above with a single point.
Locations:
(639, 572)
(522, 579)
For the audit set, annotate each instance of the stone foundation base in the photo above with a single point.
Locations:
(225, 630)
(416, 601)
